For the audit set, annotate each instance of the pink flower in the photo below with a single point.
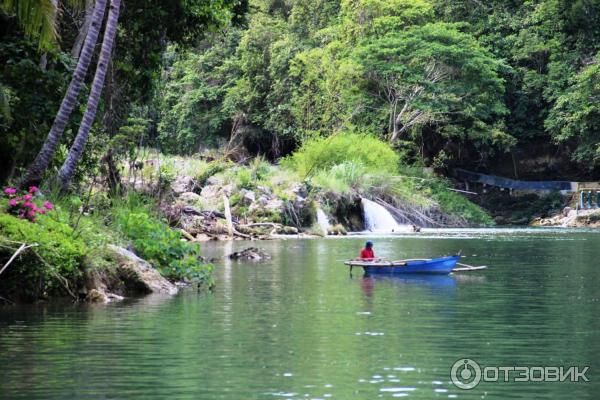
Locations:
(28, 204)
(27, 197)
(33, 189)
(10, 191)
(31, 214)
(48, 205)
(41, 211)
(12, 203)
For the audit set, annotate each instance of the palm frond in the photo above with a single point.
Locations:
(38, 18)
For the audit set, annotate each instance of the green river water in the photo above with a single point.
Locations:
(298, 327)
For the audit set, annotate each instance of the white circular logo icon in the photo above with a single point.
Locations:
(465, 373)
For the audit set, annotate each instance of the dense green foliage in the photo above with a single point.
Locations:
(448, 82)
(33, 84)
(323, 153)
(47, 268)
(162, 247)
(576, 116)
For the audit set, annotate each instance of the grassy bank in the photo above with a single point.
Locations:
(70, 244)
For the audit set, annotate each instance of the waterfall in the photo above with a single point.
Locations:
(379, 219)
(323, 221)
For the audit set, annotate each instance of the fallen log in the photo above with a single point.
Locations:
(206, 213)
(187, 235)
(272, 224)
(240, 234)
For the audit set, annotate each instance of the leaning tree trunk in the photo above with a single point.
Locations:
(83, 30)
(40, 164)
(68, 168)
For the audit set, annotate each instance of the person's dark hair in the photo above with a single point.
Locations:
(369, 244)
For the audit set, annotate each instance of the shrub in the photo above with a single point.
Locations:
(162, 247)
(211, 169)
(323, 153)
(260, 168)
(243, 178)
(61, 252)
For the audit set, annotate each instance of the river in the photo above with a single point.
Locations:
(299, 327)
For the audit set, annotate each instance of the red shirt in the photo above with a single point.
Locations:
(367, 253)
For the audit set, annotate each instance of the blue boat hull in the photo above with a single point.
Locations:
(436, 266)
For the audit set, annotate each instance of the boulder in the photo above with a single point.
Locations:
(300, 190)
(566, 211)
(97, 296)
(287, 230)
(210, 191)
(182, 184)
(264, 190)
(263, 200)
(212, 195)
(202, 237)
(190, 198)
(227, 190)
(337, 229)
(274, 205)
(194, 224)
(215, 180)
(138, 275)
(251, 253)
(247, 198)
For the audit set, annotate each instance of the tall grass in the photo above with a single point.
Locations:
(322, 153)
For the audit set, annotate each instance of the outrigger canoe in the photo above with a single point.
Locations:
(439, 266)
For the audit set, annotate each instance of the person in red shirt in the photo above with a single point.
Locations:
(367, 253)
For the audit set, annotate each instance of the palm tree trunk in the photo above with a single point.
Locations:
(41, 162)
(85, 26)
(68, 168)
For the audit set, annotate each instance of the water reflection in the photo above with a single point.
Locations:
(297, 327)
(438, 285)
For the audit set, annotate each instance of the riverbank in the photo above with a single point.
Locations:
(323, 188)
(94, 248)
(166, 206)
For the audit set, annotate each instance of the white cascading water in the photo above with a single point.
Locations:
(323, 221)
(379, 219)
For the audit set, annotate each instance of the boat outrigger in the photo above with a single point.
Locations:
(438, 266)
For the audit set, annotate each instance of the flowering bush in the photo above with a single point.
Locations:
(24, 206)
